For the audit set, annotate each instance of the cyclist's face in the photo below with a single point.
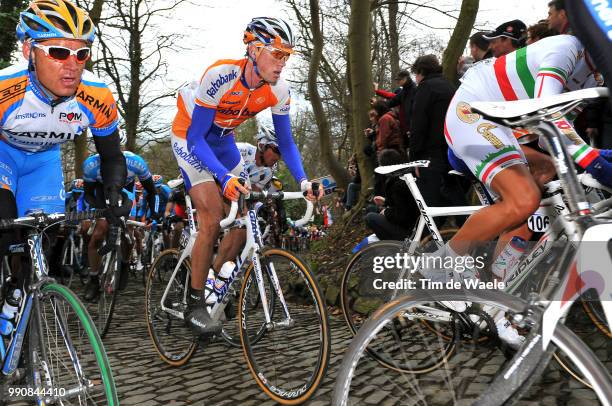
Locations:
(269, 66)
(61, 78)
(268, 157)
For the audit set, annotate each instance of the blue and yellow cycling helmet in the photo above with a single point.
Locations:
(46, 19)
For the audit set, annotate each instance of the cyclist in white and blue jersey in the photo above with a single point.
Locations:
(137, 168)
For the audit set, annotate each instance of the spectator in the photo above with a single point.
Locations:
(507, 38)
(557, 17)
(465, 62)
(427, 141)
(399, 215)
(389, 134)
(479, 47)
(538, 31)
(376, 111)
(354, 186)
(403, 99)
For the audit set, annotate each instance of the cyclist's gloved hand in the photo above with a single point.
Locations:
(601, 170)
(232, 187)
(119, 205)
(310, 194)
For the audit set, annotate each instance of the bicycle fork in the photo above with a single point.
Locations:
(287, 322)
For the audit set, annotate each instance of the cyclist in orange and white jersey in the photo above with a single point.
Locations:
(230, 92)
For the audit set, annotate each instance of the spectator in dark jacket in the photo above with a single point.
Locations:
(396, 220)
(403, 99)
(431, 100)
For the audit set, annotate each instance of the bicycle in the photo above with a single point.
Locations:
(54, 346)
(450, 329)
(72, 255)
(110, 274)
(264, 311)
(358, 299)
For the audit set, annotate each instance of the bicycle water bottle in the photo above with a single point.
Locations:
(9, 310)
(209, 287)
(223, 277)
(509, 258)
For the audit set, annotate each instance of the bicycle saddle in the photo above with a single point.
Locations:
(521, 109)
(400, 168)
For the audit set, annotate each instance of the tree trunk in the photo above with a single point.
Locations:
(339, 173)
(393, 40)
(360, 84)
(457, 42)
(9, 16)
(80, 144)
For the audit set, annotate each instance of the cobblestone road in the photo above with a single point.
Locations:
(218, 375)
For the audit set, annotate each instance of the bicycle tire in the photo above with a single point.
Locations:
(562, 337)
(109, 286)
(65, 269)
(271, 385)
(347, 284)
(232, 335)
(103, 383)
(159, 323)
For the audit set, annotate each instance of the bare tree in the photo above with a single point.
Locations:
(133, 52)
(361, 83)
(339, 173)
(457, 42)
(9, 16)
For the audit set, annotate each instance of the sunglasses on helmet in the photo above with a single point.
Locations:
(60, 53)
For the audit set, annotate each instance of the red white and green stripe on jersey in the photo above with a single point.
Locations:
(496, 161)
(519, 79)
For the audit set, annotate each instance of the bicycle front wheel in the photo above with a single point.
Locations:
(109, 287)
(291, 357)
(171, 337)
(470, 375)
(72, 365)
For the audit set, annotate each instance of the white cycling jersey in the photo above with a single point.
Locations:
(550, 66)
(259, 176)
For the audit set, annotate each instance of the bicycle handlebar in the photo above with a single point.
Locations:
(255, 196)
(42, 219)
(586, 179)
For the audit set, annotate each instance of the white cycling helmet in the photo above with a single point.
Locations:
(270, 31)
(266, 136)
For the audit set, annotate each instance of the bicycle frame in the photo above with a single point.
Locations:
(250, 254)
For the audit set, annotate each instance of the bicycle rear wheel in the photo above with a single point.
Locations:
(73, 363)
(291, 357)
(472, 372)
(109, 288)
(171, 337)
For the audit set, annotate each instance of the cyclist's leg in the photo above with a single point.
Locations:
(92, 289)
(492, 153)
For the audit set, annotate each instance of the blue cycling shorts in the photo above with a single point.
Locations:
(35, 178)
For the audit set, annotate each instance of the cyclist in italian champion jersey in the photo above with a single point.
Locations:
(548, 67)
(137, 168)
(260, 162)
(230, 92)
(50, 100)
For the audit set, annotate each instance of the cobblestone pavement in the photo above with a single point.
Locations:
(218, 375)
